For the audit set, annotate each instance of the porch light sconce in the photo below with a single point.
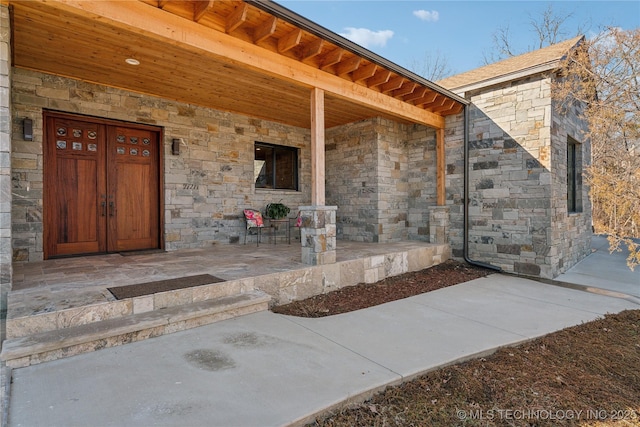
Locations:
(27, 129)
(175, 146)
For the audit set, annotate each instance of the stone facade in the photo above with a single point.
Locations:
(205, 187)
(570, 232)
(5, 161)
(389, 167)
(518, 217)
(382, 176)
(318, 234)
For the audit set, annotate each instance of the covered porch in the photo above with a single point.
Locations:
(214, 79)
(70, 297)
(209, 80)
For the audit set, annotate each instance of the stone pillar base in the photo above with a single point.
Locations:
(318, 234)
(439, 224)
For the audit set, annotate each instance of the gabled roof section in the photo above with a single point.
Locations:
(530, 63)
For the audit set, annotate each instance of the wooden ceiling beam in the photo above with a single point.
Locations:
(448, 104)
(237, 17)
(331, 58)
(393, 84)
(348, 66)
(439, 102)
(313, 49)
(406, 89)
(456, 109)
(381, 77)
(364, 72)
(200, 8)
(158, 25)
(416, 94)
(427, 99)
(265, 30)
(290, 41)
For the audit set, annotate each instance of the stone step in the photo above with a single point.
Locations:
(56, 344)
(24, 324)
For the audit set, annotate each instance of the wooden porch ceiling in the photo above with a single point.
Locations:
(225, 54)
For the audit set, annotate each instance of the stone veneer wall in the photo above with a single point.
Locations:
(393, 196)
(421, 180)
(570, 233)
(5, 162)
(382, 176)
(206, 186)
(351, 184)
(518, 212)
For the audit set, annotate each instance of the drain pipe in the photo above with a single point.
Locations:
(465, 243)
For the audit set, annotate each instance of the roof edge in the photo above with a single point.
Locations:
(518, 73)
(540, 68)
(318, 30)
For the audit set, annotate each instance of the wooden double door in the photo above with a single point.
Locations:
(101, 186)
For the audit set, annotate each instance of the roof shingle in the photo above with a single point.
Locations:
(516, 64)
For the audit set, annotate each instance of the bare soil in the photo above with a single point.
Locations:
(587, 375)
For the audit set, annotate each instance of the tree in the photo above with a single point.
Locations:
(549, 28)
(604, 75)
(433, 66)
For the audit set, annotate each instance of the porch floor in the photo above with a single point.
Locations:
(59, 284)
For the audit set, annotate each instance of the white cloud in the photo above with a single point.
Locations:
(425, 15)
(367, 38)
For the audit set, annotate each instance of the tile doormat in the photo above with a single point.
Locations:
(130, 291)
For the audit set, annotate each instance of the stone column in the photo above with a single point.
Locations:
(439, 224)
(5, 163)
(318, 234)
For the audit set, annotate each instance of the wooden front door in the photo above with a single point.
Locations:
(102, 186)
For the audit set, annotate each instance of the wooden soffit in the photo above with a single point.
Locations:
(224, 54)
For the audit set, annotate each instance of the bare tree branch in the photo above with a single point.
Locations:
(604, 73)
(432, 66)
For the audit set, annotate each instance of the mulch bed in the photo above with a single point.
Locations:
(393, 288)
(586, 375)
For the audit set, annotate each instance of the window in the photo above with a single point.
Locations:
(275, 166)
(574, 176)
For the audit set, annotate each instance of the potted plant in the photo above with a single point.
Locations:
(277, 210)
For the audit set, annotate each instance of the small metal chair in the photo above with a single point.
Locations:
(253, 219)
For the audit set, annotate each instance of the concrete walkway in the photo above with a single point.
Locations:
(602, 270)
(268, 370)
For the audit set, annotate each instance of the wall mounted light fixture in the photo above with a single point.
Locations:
(175, 146)
(27, 129)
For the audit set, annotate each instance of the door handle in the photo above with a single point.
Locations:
(112, 208)
(104, 208)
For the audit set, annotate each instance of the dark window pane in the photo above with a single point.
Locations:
(263, 166)
(275, 167)
(285, 169)
(574, 176)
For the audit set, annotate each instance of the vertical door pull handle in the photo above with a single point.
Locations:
(112, 207)
(104, 208)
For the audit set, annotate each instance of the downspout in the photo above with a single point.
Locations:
(465, 243)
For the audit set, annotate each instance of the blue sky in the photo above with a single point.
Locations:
(403, 31)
